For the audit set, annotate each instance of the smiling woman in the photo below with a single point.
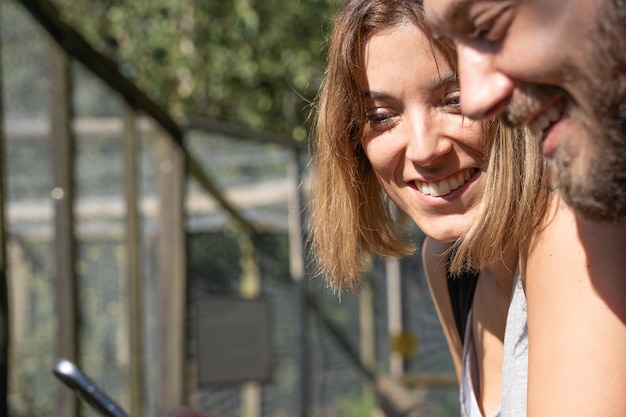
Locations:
(414, 136)
(388, 131)
(390, 138)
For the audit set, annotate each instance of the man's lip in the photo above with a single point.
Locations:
(551, 140)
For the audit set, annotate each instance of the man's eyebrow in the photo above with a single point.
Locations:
(455, 9)
(449, 17)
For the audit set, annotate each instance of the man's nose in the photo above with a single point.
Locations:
(485, 91)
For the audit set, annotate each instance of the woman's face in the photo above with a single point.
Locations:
(428, 158)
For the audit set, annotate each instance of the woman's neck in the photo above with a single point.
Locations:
(504, 270)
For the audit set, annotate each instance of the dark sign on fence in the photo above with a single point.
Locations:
(233, 339)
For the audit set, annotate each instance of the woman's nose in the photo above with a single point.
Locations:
(426, 142)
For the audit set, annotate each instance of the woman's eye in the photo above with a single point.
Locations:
(380, 121)
(452, 100)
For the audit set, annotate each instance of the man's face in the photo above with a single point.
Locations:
(558, 67)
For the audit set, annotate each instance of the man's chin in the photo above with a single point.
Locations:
(597, 192)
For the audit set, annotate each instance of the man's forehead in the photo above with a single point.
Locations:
(440, 13)
(443, 12)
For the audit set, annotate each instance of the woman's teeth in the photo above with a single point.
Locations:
(445, 186)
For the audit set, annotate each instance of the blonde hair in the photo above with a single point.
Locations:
(514, 201)
(351, 216)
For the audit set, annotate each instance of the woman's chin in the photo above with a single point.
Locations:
(444, 237)
(445, 229)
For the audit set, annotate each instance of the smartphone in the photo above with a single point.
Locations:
(84, 387)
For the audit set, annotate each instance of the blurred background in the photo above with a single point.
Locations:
(153, 221)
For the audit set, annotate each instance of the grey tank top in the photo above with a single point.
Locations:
(470, 378)
(515, 360)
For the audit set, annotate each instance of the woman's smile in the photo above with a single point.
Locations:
(445, 186)
(425, 154)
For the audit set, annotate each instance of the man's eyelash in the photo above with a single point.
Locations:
(482, 31)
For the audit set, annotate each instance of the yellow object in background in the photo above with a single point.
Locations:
(405, 344)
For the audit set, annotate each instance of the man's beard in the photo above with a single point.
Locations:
(595, 186)
(600, 193)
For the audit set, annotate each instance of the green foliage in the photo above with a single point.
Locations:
(357, 406)
(257, 62)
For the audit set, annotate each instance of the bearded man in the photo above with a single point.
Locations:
(559, 68)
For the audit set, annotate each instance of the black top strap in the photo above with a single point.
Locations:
(461, 289)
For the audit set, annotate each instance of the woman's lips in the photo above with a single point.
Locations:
(447, 185)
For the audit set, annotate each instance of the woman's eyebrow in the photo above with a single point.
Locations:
(438, 84)
(377, 95)
(446, 81)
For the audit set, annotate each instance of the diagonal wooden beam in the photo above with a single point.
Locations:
(107, 70)
(103, 66)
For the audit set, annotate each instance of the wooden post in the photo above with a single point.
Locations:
(133, 262)
(172, 275)
(367, 325)
(297, 271)
(4, 298)
(394, 313)
(68, 320)
(251, 398)
(367, 332)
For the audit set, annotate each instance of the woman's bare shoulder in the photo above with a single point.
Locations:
(435, 255)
